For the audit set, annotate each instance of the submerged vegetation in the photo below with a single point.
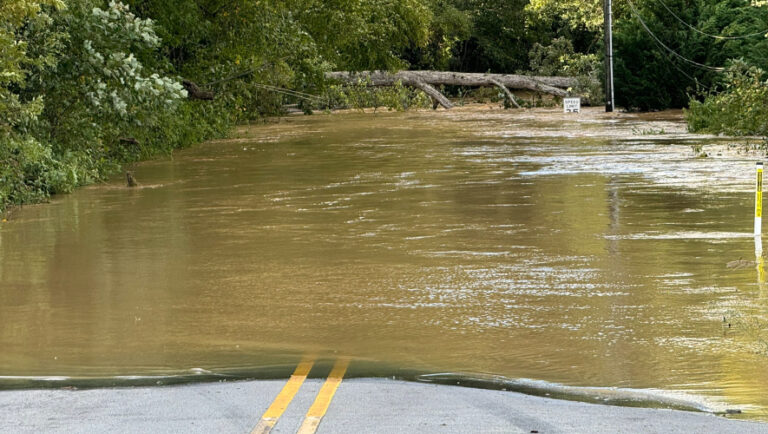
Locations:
(89, 85)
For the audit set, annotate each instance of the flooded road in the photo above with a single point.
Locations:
(584, 250)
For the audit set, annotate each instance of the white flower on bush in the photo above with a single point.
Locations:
(118, 16)
(116, 81)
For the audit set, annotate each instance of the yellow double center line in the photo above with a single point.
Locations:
(318, 408)
(273, 413)
(324, 397)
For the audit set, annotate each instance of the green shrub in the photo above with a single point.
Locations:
(362, 95)
(29, 172)
(740, 109)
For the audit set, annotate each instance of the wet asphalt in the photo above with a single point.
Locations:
(359, 406)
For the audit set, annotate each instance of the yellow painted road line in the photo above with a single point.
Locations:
(324, 397)
(273, 413)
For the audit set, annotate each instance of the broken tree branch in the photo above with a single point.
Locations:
(429, 90)
(509, 94)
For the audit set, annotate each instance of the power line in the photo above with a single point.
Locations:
(290, 92)
(709, 34)
(690, 77)
(675, 53)
(672, 62)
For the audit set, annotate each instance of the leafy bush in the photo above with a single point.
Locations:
(29, 172)
(362, 95)
(740, 109)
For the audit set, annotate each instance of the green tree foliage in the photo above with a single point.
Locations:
(209, 41)
(648, 76)
(28, 170)
(741, 109)
(365, 34)
(560, 58)
(449, 27)
(574, 14)
(515, 36)
(101, 87)
(20, 22)
(500, 40)
(735, 18)
(287, 44)
(737, 102)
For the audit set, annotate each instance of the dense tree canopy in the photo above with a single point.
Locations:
(695, 47)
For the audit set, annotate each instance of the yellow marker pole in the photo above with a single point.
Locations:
(759, 260)
(273, 413)
(759, 201)
(324, 397)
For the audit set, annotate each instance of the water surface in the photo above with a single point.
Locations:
(585, 250)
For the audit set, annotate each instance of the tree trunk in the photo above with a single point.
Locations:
(419, 79)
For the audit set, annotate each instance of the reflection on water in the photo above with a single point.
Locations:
(570, 249)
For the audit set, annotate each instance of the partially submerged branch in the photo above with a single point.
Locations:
(506, 91)
(435, 94)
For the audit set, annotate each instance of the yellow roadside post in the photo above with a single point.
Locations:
(759, 201)
(759, 260)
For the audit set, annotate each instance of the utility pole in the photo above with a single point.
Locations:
(609, 101)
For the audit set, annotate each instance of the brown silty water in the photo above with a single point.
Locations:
(584, 250)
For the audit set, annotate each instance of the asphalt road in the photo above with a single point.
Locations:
(359, 406)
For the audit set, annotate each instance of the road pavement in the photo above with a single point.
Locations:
(365, 405)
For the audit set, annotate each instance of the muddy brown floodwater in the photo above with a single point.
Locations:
(583, 250)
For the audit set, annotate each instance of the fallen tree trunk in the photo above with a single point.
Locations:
(550, 85)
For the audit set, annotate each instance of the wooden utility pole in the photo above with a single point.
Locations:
(609, 101)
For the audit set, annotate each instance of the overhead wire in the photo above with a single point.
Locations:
(286, 91)
(750, 35)
(689, 76)
(281, 90)
(673, 52)
(289, 92)
(673, 62)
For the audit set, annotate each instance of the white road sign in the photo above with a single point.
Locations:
(571, 105)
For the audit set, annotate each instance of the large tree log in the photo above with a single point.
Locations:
(513, 81)
(551, 85)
